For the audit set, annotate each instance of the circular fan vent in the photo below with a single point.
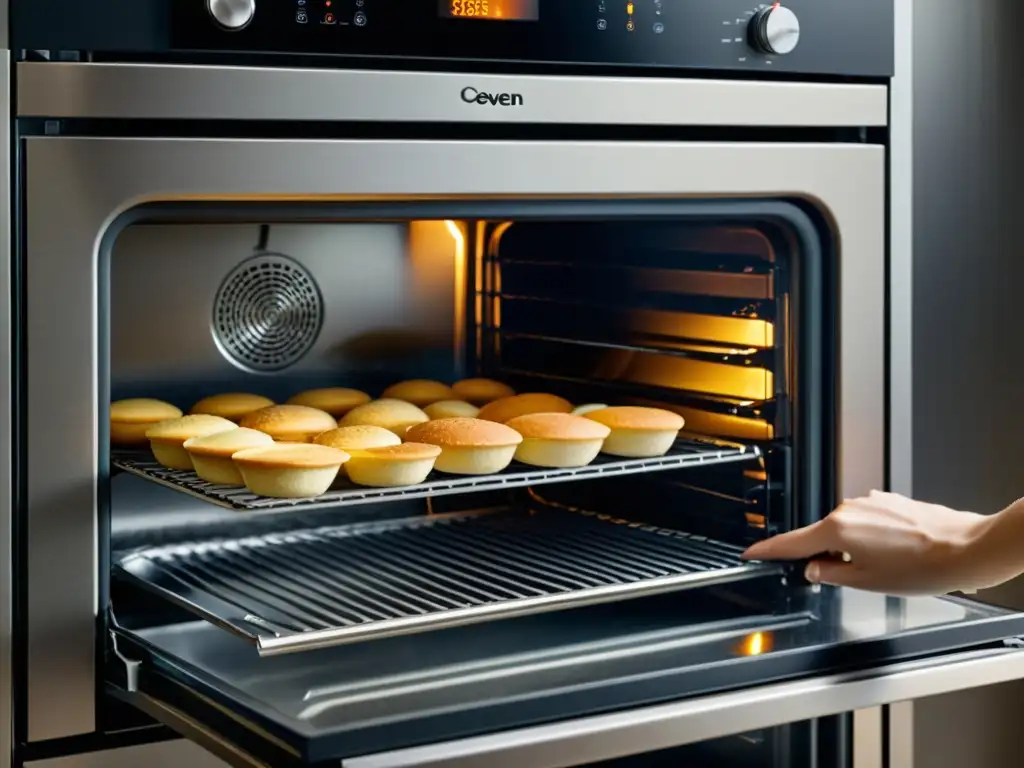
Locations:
(268, 313)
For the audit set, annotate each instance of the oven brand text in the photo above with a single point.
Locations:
(471, 95)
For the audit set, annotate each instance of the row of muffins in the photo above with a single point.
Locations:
(297, 450)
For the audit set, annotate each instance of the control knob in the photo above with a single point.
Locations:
(774, 30)
(232, 14)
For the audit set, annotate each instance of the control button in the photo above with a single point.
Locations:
(359, 19)
(602, 24)
(232, 14)
(630, 26)
(658, 27)
(328, 18)
(774, 30)
(301, 17)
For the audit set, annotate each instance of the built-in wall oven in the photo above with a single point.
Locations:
(680, 205)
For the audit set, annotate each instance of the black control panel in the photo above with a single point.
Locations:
(827, 37)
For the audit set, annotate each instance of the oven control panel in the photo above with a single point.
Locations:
(852, 38)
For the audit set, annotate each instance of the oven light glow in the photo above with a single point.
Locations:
(755, 644)
(460, 282)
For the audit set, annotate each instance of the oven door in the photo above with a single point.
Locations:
(554, 690)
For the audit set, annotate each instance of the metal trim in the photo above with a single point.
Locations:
(172, 92)
(605, 737)
(844, 181)
(6, 433)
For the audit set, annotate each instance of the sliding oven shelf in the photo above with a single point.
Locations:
(685, 453)
(331, 586)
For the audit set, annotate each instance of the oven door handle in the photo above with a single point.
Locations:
(603, 737)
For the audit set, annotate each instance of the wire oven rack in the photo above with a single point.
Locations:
(685, 453)
(333, 586)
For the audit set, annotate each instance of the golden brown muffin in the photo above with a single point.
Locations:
(520, 405)
(336, 401)
(290, 470)
(290, 423)
(211, 454)
(395, 415)
(559, 440)
(392, 466)
(638, 432)
(451, 409)
(468, 446)
(358, 438)
(419, 392)
(167, 439)
(231, 405)
(482, 391)
(129, 419)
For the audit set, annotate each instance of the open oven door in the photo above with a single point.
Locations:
(561, 690)
(557, 689)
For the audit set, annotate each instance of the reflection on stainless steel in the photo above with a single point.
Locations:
(254, 93)
(313, 589)
(649, 729)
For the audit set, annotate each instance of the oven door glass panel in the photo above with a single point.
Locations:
(407, 692)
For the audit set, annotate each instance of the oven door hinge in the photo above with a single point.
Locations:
(131, 666)
(1014, 642)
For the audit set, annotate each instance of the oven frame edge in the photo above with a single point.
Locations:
(865, 244)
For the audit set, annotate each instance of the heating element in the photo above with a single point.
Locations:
(685, 453)
(330, 586)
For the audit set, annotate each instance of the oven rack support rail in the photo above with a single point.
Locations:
(687, 452)
(338, 585)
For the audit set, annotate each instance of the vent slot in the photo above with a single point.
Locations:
(267, 314)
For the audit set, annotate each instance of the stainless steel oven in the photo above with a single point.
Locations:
(627, 203)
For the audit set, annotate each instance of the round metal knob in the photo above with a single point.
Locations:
(775, 30)
(232, 14)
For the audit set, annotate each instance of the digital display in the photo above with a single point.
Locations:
(497, 10)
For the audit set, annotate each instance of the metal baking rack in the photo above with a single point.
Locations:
(685, 453)
(332, 586)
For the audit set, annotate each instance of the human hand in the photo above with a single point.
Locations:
(889, 543)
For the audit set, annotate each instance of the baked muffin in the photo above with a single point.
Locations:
(392, 466)
(231, 405)
(336, 401)
(559, 440)
(583, 410)
(395, 415)
(419, 392)
(129, 419)
(481, 391)
(520, 405)
(290, 470)
(358, 438)
(167, 439)
(211, 454)
(290, 423)
(638, 432)
(468, 446)
(451, 409)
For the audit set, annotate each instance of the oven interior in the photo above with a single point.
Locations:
(720, 314)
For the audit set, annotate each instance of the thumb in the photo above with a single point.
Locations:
(836, 573)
